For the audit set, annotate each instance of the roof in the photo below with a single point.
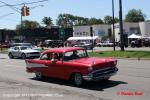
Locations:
(63, 50)
(135, 36)
(83, 38)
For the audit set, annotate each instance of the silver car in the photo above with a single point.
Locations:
(23, 52)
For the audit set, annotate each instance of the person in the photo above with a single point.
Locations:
(49, 56)
(74, 55)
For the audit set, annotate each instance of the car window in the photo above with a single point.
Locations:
(58, 56)
(24, 48)
(76, 54)
(47, 56)
(16, 48)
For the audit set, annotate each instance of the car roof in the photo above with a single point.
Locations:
(63, 49)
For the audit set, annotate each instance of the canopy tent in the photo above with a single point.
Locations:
(82, 38)
(134, 36)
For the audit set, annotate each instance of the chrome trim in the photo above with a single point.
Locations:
(101, 74)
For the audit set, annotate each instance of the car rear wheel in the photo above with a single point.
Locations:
(77, 79)
(23, 56)
(11, 56)
(38, 75)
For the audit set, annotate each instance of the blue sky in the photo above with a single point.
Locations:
(84, 8)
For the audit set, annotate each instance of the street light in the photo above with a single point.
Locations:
(113, 25)
(121, 25)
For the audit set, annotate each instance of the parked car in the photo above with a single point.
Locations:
(84, 45)
(105, 44)
(23, 52)
(4, 45)
(25, 44)
(71, 63)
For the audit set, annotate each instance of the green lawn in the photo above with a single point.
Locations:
(3, 50)
(122, 54)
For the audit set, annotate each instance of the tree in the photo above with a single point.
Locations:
(68, 20)
(109, 20)
(93, 21)
(47, 21)
(26, 24)
(65, 20)
(135, 16)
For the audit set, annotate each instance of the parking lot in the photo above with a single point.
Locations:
(131, 83)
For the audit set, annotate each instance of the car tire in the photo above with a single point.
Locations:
(38, 75)
(10, 56)
(23, 56)
(77, 79)
(106, 79)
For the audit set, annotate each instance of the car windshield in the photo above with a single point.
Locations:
(76, 54)
(25, 48)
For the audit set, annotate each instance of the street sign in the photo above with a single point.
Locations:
(61, 33)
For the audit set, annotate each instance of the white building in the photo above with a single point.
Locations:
(141, 28)
(98, 30)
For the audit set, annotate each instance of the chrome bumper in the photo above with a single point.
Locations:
(101, 74)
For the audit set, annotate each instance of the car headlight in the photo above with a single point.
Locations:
(115, 62)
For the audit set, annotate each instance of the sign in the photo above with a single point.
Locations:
(61, 33)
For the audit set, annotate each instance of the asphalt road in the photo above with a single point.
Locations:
(132, 82)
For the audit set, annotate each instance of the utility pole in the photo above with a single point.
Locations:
(91, 34)
(114, 44)
(121, 25)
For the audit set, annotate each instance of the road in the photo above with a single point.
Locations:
(131, 83)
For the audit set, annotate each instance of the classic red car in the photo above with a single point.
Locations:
(71, 63)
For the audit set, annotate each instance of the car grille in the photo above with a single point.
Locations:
(105, 71)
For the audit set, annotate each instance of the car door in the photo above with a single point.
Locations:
(15, 51)
(48, 69)
(56, 66)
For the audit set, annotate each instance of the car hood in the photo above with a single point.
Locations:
(28, 51)
(96, 62)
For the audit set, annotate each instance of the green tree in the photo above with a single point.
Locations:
(109, 20)
(135, 16)
(47, 21)
(26, 24)
(93, 21)
(65, 20)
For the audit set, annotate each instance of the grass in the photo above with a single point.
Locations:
(122, 54)
(118, 54)
(3, 50)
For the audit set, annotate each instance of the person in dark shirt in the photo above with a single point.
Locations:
(74, 55)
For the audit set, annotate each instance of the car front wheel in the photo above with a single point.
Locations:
(11, 56)
(38, 75)
(23, 56)
(77, 79)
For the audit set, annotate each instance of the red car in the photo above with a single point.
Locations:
(71, 63)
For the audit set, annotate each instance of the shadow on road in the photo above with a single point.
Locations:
(98, 86)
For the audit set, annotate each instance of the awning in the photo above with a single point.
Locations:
(83, 38)
(135, 36)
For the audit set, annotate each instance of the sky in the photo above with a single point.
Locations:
(52, 8)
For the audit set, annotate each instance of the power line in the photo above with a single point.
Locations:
(14, 8)
(25, 3)
(6, 15)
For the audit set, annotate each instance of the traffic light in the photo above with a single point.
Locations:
(22, 11)
(27, 11)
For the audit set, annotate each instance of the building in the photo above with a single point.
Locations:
(101, 30)
(98, 30)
